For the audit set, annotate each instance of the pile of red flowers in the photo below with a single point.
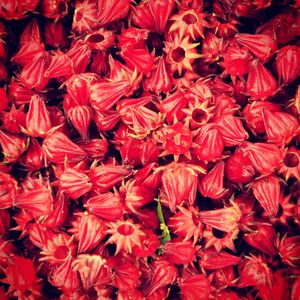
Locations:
(149, 149)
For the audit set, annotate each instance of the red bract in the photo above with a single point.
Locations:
(89, 230)
(104, 177)
(267, 192)
(38, 121)
(254, 271)
(209, 144)
(57, 147)
(163, 273)
(33, 73)
(280, 127)
(264, 157)
(179, 183)
(231, 130)
(111, 11)
(54, 9)
(180, 252)
(239, 168)
(211, 184)
(125, 234)
(261, 45)
(14, 120)
(38, 201)
(108, 206)
(74, 182)
(195, 287)
(12, 146)
(260, 83)
(262, 238)
(288, 63)
(21, 277)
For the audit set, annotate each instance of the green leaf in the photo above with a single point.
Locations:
(163, 227)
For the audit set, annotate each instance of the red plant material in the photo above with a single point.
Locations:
(14, 10)
(34, 156)
(33, 74)
(60, 212)
(92, 270)
(224, 277)
(149, 244)
(267, 192)
(18, 93)
(12, 146)
(295, 289)
(137, 196)
(288, 63)
(57, 147)
(125, 234)
(81, 116)
(132, 38)
(107, 206)
(262, 238)
(224, 219)
(211, 184)
(64, 277)
(54, 9)
(95, 148)
(195, 287)
(105, 95)
(4, 221)
(189, 22)
(14, 120)
(289, 249)
(252, 113)
(139, 59)
(104, 177)
(111, 11)
(213, 260)
(232, 130)
(264, 157)
(179, 183)
(179, 252)
(209, 143)
(180, 53)
(254, 271)
(142, 16)
(291, 163)
(55, 35)
(212, 47)
(236, 61)
(74, 182)
(38, 122)
(239, 168)
(280, 127)
(4, 99)
(21, 277)
(163, 273)
(186, 223)
(279, 289)
(80, 54)
(261, 45)
(38, 201)
(159, 80)
(85, 16)
(89, 230)
(176, 139)
(28, 52)
(100, 39)
(260, 83)
(126, 276)
(60, 66)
